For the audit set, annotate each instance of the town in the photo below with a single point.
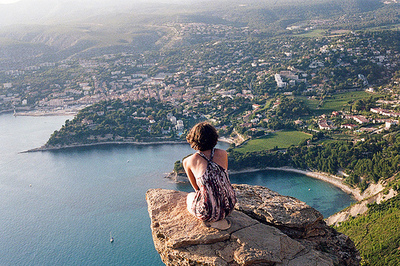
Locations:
(237, 83)
(310, 87)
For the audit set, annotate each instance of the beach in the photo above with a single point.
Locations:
(334, 180)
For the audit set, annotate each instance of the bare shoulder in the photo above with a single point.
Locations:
(220, 152)
(221, 158)
(190, 159)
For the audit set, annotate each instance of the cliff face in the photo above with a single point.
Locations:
(267, 229)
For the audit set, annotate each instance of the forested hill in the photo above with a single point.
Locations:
(377, 158)
(376, 233)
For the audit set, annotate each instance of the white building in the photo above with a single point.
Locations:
(173, 120)
(179, 125)
(7, 85)
(279, 82)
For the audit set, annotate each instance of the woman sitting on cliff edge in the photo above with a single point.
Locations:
(214, 198)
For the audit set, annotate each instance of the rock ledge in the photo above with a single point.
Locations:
(267, 229)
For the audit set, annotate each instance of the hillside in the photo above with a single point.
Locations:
(40, 31)
(309, 84)
(376, 234)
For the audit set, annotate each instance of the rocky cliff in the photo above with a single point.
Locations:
(267, 229)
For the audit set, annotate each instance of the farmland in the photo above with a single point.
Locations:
(280, 140)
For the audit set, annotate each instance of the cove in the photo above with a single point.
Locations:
(59, 207)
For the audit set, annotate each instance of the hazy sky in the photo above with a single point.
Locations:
(165, 1)
(24, 12)
(14, 1)
(8, 1)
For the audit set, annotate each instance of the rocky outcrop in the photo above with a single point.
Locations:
(267, 229)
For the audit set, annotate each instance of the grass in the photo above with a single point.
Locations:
(336, 102)
(281, 139)
(312, 33)
(321, 33)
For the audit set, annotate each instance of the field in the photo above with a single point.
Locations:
(281, 139)
(336, 102)
(312, 33)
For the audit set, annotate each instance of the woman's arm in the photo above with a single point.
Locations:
(187, 166)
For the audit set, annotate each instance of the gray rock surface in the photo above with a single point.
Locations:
(267, 229)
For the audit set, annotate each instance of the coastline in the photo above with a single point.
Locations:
(334, 180)
(44, 148)
(50, 113)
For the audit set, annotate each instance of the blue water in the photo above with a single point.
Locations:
(322, 196)
(59, 208)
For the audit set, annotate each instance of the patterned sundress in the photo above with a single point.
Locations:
(215, 198)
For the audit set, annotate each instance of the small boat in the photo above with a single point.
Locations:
(111, 238)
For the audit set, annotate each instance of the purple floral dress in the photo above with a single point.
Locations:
(215, 198)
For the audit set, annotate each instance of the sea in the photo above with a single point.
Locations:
(62, 207)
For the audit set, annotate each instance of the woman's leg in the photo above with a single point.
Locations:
(190, 201)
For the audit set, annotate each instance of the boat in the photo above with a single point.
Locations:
(111, 238)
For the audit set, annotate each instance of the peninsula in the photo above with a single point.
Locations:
(310, 85)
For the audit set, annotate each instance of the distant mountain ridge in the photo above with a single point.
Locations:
(56, 11)
(52, 30)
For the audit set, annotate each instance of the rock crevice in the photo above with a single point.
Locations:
(267, 229)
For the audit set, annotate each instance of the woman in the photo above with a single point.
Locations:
(214, 198)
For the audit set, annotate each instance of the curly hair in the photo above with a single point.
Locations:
(203, 136)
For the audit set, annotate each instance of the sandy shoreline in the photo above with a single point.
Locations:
(334, 180)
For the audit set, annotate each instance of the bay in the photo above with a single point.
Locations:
(59, 207)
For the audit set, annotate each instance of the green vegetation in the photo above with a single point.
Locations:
(178, 167)
(336, 102)
(277, 140)
(376, 234)
(312, 33)
(223, 63)
(376, 158)
(122, 121)
(366, 161)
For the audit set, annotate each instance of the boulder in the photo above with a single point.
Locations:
(288, 214)
(267, 229)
